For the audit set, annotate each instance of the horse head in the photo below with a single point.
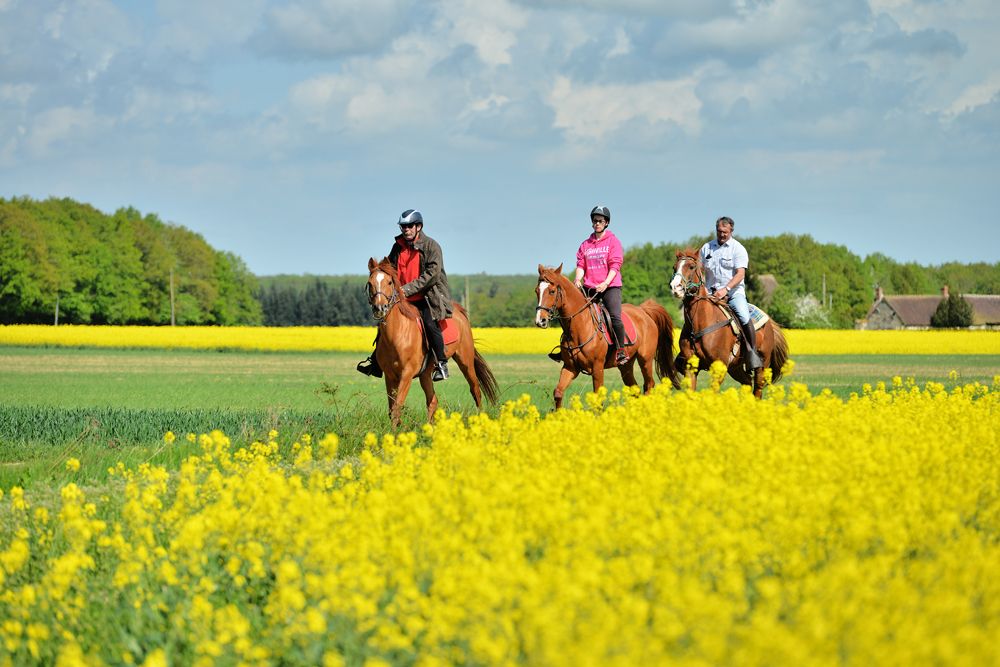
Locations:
(382, 288)
(551, 294)
(689, 274)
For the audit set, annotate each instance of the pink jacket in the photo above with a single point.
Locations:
(598, 258)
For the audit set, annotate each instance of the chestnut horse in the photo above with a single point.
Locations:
(583, 347)
(708, 331)
(400, 349)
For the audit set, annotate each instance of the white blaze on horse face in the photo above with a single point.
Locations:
(379, 277)
(675, 284)
(542, 286)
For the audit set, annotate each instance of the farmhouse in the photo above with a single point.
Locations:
(915, 311)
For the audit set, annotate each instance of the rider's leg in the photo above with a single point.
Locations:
(613, 302)
(436, 339)
(738, 302)
(370, 365)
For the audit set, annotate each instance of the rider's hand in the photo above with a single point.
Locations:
(602, 286)
(578, 283)
(721, 293)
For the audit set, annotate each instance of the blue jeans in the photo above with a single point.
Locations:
(738, 302)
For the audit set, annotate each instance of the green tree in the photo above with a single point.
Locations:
(952, 312)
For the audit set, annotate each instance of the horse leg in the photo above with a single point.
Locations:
(628, 373)
(598, 376)
(565, 377)
(399, 399)
(427, 384)
(646, 368)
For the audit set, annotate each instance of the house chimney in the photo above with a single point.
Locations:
(878, 293)
(944, 292)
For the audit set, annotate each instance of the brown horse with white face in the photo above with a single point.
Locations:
(401, 352)
(708, 332)
(583, 347)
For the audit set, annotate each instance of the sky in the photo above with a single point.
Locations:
(293, 133)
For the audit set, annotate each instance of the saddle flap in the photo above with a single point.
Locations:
(603, 318)
(449, 330)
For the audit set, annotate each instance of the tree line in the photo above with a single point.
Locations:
(62, 256)
(61, 260)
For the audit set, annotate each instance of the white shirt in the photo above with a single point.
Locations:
(721, 263)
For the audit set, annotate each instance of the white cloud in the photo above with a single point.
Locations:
(975, 96)
(196, 28)
(490, 27)
(622, 45)
(62, 125)
(329, 28)
(590, 112)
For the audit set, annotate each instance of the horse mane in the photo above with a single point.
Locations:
(689, 252)
(550, 274)
(405, 307)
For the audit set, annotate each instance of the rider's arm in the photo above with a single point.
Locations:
(579, 276)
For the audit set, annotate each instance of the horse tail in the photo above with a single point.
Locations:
(487, 382)
(779, 355)
(664, 341)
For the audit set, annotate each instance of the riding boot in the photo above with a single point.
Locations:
(556, 356)
(440, 371)
(621, 357)
(753, 360)
(370, 367)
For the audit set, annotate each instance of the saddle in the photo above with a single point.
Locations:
(603, 319)
(449, 330)
(757, 317)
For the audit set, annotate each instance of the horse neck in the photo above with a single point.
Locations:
(701, 310)
(571, 312)
(397, 322)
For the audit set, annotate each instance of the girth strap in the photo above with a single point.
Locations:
(710, 329)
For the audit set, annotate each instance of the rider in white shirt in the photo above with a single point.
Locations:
(726, 261)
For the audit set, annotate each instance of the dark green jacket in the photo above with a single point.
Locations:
(432, 282)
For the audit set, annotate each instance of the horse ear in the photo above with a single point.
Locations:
(559, 270)
(541, 269)
(371, 264)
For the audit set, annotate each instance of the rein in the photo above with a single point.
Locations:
(391, 299)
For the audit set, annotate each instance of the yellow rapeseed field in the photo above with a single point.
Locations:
(498, 340)
(690, 528)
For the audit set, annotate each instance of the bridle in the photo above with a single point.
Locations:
(692, 287)
(391, 298)
(553, 310)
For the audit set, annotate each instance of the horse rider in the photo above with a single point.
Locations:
(598, 273)
(420, 264)
(726, 262)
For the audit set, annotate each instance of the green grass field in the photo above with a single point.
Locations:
(103, 405)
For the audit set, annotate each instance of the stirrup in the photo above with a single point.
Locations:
(440, 371)
(370, 367)
(621, 357)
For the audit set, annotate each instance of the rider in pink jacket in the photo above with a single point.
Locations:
(598, 273)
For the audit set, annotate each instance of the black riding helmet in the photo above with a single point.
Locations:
(410, 216)
(601, 210)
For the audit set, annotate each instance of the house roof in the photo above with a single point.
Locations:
(985, 308)
(914, 310)
(917, 310)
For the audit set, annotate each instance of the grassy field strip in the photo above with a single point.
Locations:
(498, 340)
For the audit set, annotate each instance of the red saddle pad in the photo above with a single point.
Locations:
(605, 317)
(449, 330)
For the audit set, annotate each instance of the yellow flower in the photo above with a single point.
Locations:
(72, 465)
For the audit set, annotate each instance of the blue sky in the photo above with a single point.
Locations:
(294, 133)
